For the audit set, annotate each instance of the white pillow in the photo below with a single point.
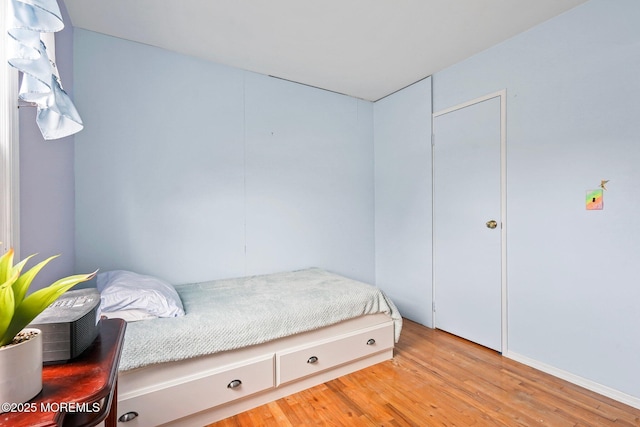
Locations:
(125, 290)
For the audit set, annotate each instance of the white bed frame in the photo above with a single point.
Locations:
(200, 391)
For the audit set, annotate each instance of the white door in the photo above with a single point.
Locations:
(467, 221)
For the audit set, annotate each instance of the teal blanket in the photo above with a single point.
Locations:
(229, 314)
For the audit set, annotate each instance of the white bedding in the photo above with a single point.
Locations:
(228, 314)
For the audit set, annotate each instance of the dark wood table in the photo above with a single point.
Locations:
(81, 392)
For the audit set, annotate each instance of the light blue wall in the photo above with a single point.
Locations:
(159, 166)
(46, 182)
(193, 171)
(402, 141)
(309, 179)
(573, 86)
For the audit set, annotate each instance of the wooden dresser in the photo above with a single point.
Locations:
(82, 392)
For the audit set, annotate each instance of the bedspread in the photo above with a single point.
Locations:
(229, 314)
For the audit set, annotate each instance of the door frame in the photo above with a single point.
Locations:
(502, 94)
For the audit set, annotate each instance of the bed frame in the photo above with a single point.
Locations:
(200, 391)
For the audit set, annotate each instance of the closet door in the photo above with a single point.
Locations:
(467, 222)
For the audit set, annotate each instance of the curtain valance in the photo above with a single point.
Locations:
(29, 23)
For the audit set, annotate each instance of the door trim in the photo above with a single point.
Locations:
(502, 94)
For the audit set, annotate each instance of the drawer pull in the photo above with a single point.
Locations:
(371, 341)
(127, 417)
(312, 359)
(234, 384)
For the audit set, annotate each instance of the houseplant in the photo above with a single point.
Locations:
(21, 351)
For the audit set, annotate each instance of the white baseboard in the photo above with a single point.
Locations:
(575, 379)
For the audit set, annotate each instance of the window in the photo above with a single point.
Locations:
(9, 190)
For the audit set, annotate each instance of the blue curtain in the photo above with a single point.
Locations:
(57, 117)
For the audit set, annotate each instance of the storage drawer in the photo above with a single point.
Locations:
(308, 360)
(197, 393)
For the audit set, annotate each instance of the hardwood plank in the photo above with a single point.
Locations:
(437, 379)
(279, 417)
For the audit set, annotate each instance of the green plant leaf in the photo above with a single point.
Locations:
(7, 307)
(21, 285)
(36, 302)
(6, 265)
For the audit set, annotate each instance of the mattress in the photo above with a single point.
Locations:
(228, 314)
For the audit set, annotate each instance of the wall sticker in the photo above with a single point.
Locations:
(594, 199)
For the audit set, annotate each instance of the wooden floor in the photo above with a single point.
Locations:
(437, 379)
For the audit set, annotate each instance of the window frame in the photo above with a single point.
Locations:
(9, 139)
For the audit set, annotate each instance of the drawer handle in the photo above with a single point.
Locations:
(371, 341)
(234, 384)
(127, 417)
(312, 359)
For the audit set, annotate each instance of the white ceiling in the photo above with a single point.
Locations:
(363, 48)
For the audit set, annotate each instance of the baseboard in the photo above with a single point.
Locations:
(575, 379)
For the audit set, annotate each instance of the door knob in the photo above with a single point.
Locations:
(492, 224)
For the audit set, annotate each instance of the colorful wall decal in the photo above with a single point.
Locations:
(594, 199)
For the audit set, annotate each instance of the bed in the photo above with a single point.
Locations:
(247, 341)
